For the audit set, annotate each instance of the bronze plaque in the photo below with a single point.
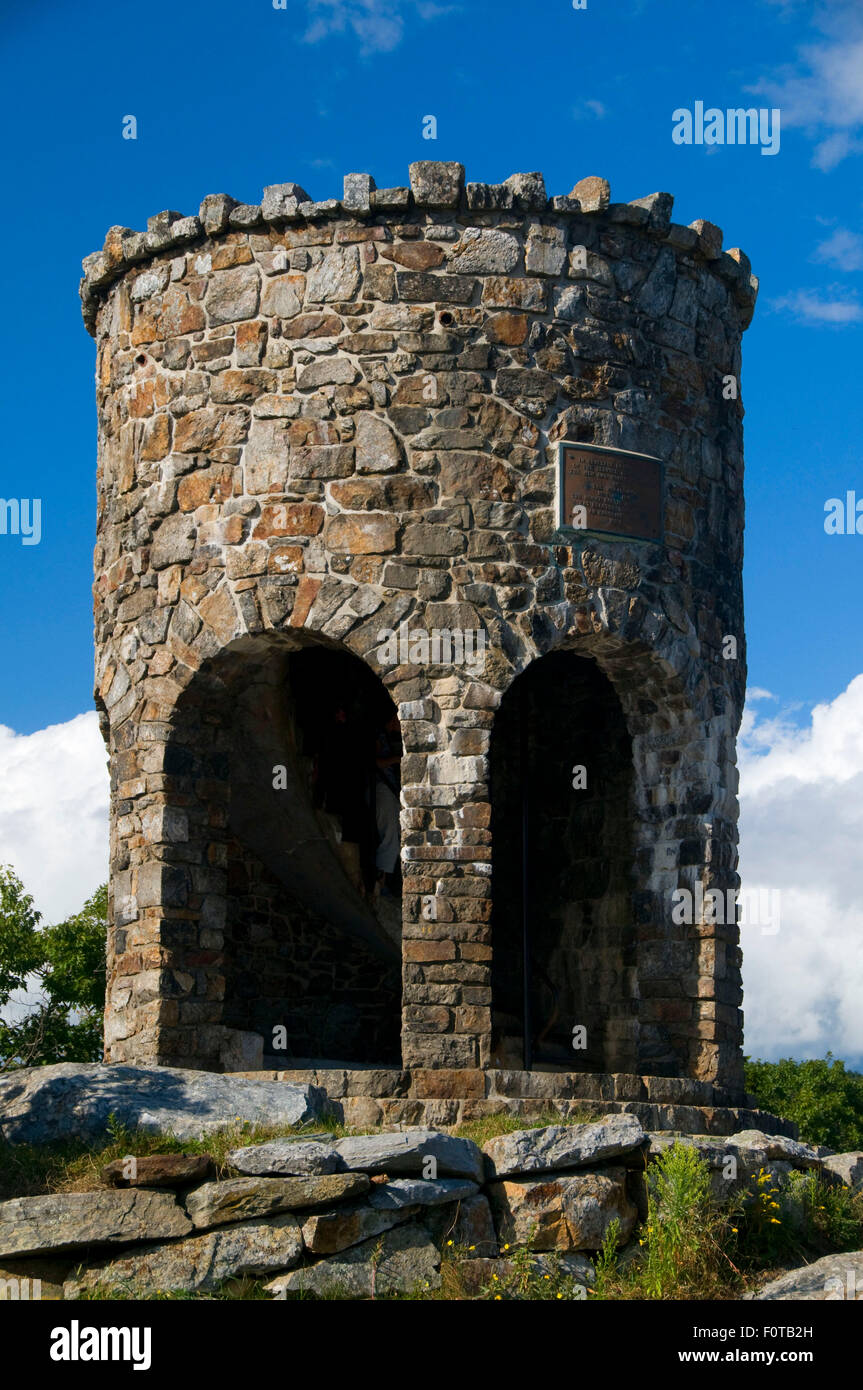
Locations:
(620, 492)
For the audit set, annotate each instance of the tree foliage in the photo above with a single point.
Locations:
(63, 966)
(824, 1099)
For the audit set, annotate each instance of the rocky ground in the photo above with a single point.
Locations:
(358, 1215)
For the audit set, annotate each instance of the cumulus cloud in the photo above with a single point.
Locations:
(832, 306)
(590, 108)
(843, 249)
(54, 812)
(378, 25)
(822, 90)
(801, 827)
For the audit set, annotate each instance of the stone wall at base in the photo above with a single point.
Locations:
(318, 421)
(369, 1214)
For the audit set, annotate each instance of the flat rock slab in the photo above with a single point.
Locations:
(407, 1151)
(73, 1220)
(201, 1262)
(420, 1192)
(778, 1147)
(834, 1278)
(40, 1105)
(285, 1158)
(556, 1147)
(396, 1262)
(331, 1231)
(241, 1199)
(158, 1170)
(570, 1212)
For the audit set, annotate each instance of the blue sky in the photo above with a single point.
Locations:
(229, 97)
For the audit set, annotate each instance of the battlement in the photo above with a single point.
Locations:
(437, 192)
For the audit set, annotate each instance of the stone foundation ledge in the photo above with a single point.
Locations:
(365, 1111)
(489, 1084)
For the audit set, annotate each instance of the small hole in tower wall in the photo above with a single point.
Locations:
(446, 319)
(141, 360)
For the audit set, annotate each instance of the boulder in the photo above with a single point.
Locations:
(241, 1199)
(408, 1151)
(750, 1151)
(468, 1224)
(562, 1146)
(571, 1212)
(846, 1168)
(778, 1147)
(158, 1170)
(202, 1262)
(73, 1220)
(834, 1278)
(71, 1100)
(395, 1263)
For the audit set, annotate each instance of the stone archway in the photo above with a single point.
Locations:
(562, 823)
(296, 962)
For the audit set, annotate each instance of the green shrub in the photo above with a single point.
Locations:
(682, 1225)
(66, 964)
(785, 1222)
(820, 1096)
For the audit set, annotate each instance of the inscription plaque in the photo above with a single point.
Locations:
(620, 492)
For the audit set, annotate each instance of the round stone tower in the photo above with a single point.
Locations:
(467, 455)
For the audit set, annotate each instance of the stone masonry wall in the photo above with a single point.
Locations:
(319, 419)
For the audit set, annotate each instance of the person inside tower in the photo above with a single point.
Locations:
(388, 755)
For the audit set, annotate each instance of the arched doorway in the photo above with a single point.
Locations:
(564, 994)
(275, 752)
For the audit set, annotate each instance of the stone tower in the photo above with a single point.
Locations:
(469, 454)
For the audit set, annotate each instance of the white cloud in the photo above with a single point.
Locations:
(54, 812)
(801, 827)
(843, 249)
(589, 108)
(813, 306)
(378, 24)
(822, 91)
